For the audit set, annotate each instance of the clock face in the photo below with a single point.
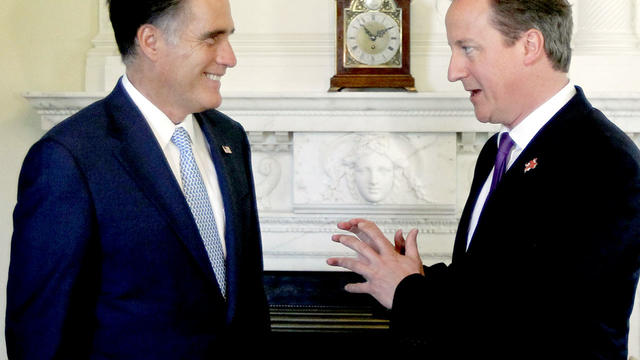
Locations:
(373, 39)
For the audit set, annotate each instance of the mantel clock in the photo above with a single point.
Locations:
(372, 45)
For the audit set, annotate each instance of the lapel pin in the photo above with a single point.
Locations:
(226, 149)
(531, 165)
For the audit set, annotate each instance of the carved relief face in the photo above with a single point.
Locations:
(373, 174)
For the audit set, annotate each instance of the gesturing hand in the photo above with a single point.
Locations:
(382, 264)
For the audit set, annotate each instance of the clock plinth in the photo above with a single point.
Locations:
(402, 81)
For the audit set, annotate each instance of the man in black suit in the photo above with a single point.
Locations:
(546, 257)
(136, 232)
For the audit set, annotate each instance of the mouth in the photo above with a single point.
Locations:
(474, 93)
(213, 77)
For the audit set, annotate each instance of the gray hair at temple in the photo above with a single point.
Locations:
(553, 18)
(127, 16)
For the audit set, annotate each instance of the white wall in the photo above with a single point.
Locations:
(282, 45)
(43, 44)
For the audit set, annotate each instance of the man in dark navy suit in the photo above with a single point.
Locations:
(546, 257)
(136, 232)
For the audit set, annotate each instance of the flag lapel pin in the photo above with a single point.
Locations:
(531, 165)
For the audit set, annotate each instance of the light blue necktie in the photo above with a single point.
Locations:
(196, 194)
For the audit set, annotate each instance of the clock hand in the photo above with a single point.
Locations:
(381, 33)
(371, 36)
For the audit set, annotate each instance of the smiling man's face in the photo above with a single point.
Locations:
(191, 68)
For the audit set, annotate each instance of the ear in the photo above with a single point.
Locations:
(533, 42)
(149, 41)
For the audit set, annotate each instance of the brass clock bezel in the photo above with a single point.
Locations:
(350, 61)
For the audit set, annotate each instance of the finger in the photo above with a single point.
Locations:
(352, 226)
(358, 288)
(336, 237)
(354, 265)
(360, 247)
(398, 241)
(364, 237)
(377, 239)
(345, 225)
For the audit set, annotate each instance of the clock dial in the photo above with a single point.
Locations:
(373, 38)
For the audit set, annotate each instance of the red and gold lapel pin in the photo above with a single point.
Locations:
(531, 165)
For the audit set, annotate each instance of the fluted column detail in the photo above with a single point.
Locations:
(606, 26)
(103, 61)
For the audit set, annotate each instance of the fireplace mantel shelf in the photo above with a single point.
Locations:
(346, 111)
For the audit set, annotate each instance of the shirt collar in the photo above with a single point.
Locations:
(160, 123)
(529, 127)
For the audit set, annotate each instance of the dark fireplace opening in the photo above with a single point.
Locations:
(311, 312)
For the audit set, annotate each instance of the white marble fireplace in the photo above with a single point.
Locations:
(415, 151)
(403, 159)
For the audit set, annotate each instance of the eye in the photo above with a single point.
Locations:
(467, 50)
(211, 38)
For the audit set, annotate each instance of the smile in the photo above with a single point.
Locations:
(213, 77)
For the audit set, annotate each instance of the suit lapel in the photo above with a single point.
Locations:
(484, 165)
(141, 155)
(226, 155)
(548, 141)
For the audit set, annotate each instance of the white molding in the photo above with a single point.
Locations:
(351, 111)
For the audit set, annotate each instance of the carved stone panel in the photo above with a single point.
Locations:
(408, 173)
(271, 161)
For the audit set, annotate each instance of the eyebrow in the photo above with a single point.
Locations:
(463, 42)
(213, 34)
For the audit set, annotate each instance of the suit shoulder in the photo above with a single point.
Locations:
(218, 123)
(603, 143)
(598, 129)
(219, 119)
(81, 125)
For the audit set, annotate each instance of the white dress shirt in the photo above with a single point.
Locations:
(521, 136)
(163, 128)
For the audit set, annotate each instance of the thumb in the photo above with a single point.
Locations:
(411, 245)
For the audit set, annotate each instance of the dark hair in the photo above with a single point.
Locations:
(552, 18)
(127, 17)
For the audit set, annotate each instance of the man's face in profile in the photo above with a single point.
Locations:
(480, 58)
(193, 63)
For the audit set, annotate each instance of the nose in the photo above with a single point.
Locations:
(457, 68)
(375, 176)
(226, 56)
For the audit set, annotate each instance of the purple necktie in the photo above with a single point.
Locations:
(501, 159)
